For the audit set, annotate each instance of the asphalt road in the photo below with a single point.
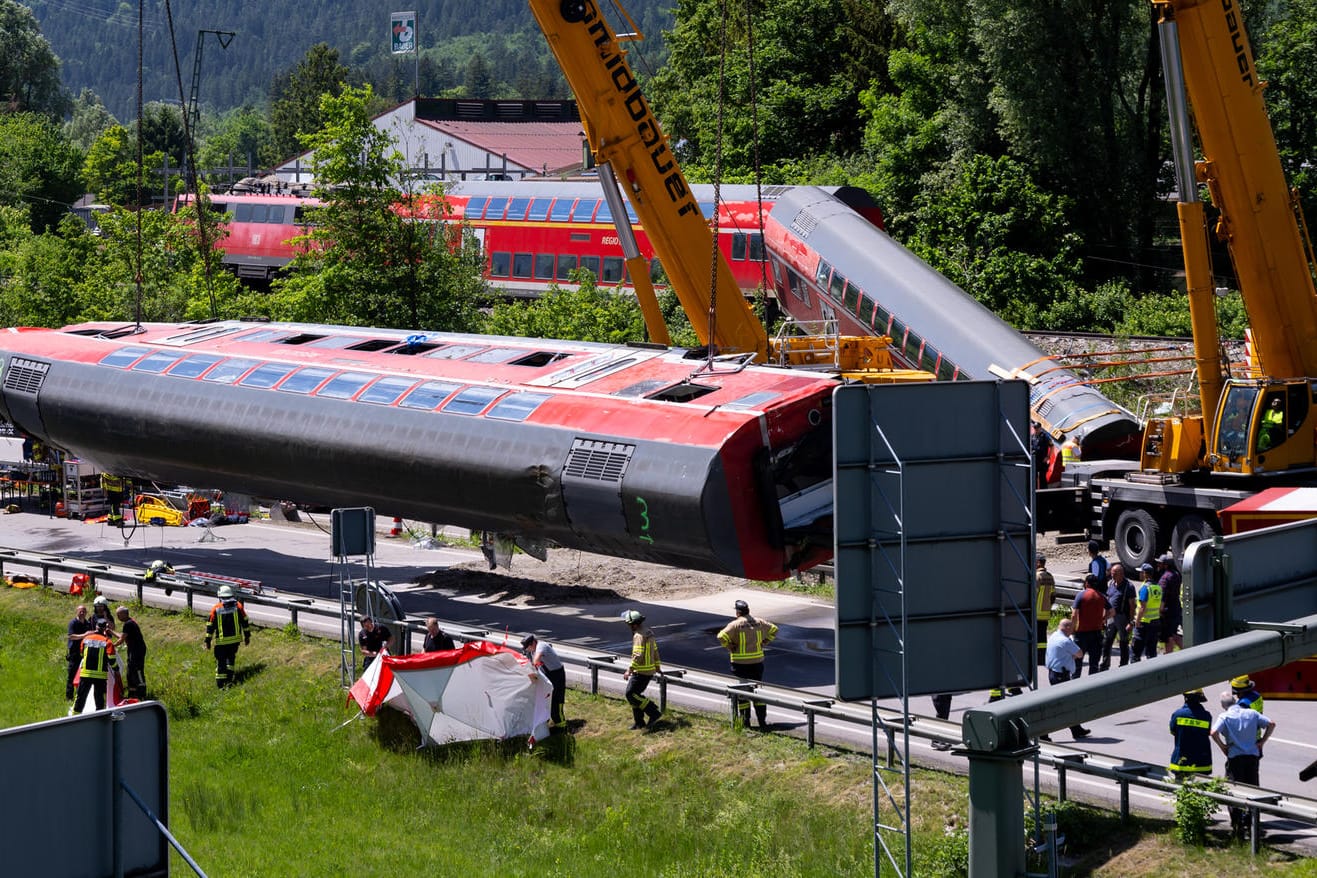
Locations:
(297, 559)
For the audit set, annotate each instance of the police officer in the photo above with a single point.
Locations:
(1191, 726)
(227, 627)
(1146, 616)
(744, 639)
(644, 665)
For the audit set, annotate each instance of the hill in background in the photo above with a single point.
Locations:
(96, 41)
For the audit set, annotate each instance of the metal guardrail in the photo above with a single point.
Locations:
(1126, 775)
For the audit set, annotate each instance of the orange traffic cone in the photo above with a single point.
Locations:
(396, 530)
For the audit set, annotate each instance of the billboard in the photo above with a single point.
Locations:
(402, 31)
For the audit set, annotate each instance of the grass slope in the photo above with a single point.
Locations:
(263, 783)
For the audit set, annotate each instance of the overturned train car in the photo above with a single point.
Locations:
(632, 451)
(830, 263)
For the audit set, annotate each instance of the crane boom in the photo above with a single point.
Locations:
(624, 134)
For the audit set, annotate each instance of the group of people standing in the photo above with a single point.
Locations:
(94, 642)
(1114, 613)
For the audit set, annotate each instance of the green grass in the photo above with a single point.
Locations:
(263, 783)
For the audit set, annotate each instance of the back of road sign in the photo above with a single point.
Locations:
(934, 538)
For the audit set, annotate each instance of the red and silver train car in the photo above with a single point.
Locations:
(829, 263)
(633, 451)
(533, 233)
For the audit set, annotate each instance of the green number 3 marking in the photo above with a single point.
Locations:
(644, 520)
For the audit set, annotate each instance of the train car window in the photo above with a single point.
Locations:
(302, 338)
(522, 264)
(494, 210)
(579, 237)
(242, 213)
(299, 215)
(191, 367)
(456, 351)
(562, 210)
(336, 342)
(517, 208)
(123, 357)
(263, 335)
(613, 267)
(591, 264)
(538, 359)
(605, 214)
(305, 380)
(928, 360)
(850, 299)
(539, 209)
(260, 213)
(475, 206)
(544, 266)
(385, 391)
(228, 371)
(428, 395)
(344, 385)
(821, 272)
(157, 362)
(738, 246)
(584, 210)
(708, 209)
(946, 370)
(266, 375)
(496, 355)
(838, 285)
(472, 400)
(566, 265)
(912, 346)
(897, 332)
(753, 400)
(413, 348)
(881, 318)
(516, 407)
(757, 247)
(798, 286)
(683, 392)
(373, 344)
(500, 264)
(277, 214)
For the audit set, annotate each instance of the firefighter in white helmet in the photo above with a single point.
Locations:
(227, 627)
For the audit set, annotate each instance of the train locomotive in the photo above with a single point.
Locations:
(634, 451)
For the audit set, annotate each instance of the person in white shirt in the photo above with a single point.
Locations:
(1062, 651)
(542, 655)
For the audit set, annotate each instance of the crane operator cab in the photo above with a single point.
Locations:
(1263, 428)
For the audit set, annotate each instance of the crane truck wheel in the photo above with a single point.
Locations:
(1189, 530)
(1137, 536)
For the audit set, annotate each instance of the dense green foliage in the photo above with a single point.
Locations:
(39, 168)
(29, 68)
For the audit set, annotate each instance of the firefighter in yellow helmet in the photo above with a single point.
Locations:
(644, 665)
(744, 638)
(227, 627)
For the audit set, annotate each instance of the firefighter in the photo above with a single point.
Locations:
(1191, 726)
(153, 572)
(644, 665)
(1044, 598)
(745, 638)
(97, 653)
(114, 488)
(227, 626)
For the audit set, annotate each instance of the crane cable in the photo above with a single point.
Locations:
(137, 272)
(761, 297)
(717, 182)
(190, 164)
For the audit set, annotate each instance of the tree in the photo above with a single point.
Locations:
(805, 97)
(39, 168)
(477, 80)
(89, 120)
(1290, 54)
(583, 314)
(29, 70)
(44, 272)
(162, 131)
(295, 107)
(243, 136)
(366, 263)
(111, 169)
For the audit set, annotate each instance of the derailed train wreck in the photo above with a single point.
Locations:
(632, 451)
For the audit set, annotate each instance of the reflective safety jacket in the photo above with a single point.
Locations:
(1152, 602)
(112, 483)
(744, 637)
(1191, 725)
(644, 652)
(97, 650)
(228, 623)
(1043, 599)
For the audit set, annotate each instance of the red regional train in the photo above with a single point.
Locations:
(635, 451)
(533, 233)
